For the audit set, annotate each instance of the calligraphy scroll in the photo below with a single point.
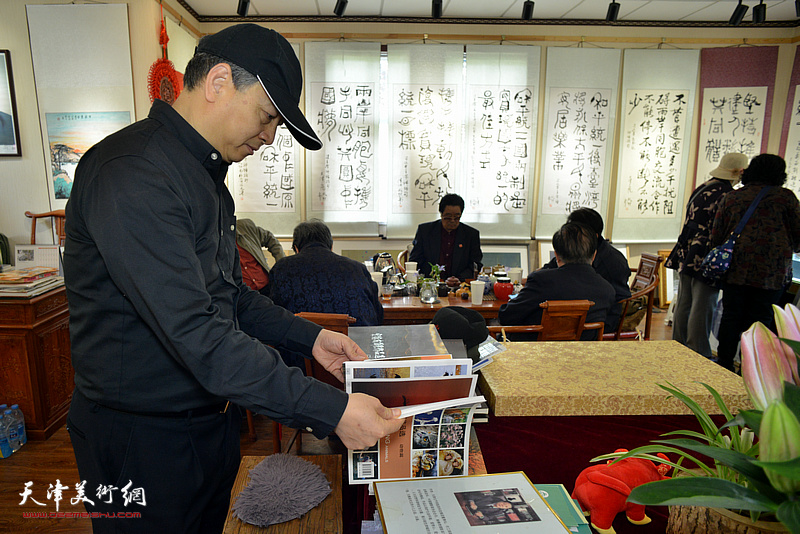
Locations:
(265, 181)
(424, 134)
(732, 121)
(652, 153)
(501, 136)
(344, 118)
(792, 154)
(574, 164)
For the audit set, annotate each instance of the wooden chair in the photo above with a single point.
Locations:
(644, 284)
(57, 217)
(337, 322)
(402, 258)
(562, 320)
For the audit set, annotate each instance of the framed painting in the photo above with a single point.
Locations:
(9, 123)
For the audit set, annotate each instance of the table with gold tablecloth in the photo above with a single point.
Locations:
(556, 405)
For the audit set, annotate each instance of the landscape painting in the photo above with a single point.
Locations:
(70, 135)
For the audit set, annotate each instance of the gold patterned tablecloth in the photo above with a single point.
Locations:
(604, 378)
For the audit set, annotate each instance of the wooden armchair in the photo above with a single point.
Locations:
(58, 219)
(337, 322)
(644, 284)
(562, 320)
(402, 258)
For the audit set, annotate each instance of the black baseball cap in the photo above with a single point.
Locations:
(459, 322)
(269, 57)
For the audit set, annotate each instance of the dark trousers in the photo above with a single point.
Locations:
(176, 472)
(741, 307)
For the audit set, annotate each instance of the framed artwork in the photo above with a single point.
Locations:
(9, 123)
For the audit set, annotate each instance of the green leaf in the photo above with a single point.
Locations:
(709, 428)
(741, 463)
(791, 396)
(751, 418)
(789, 514)
(789, 468)
(648, 452)
(701, 491)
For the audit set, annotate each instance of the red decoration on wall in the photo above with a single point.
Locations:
(164, 82)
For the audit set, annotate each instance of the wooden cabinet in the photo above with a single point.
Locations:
(35, 363)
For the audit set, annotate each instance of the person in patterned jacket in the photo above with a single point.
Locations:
(697, 295)
(761, 266)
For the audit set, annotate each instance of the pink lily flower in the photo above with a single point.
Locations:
(764, 366)
(787, 321)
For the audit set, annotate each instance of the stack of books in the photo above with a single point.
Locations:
(29, 282)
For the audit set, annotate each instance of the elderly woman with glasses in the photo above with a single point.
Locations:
(448, 242)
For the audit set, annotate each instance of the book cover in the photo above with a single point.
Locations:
(565, 507)
(26, 275)
(459, 504)
(399, 341)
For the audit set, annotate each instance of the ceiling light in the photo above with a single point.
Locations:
(527, 9)
(760, 13)
(341, 5)
(436, 9)
(738, 14)
(244, 5)
(613, 11)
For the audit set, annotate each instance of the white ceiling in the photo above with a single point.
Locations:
(689, 12)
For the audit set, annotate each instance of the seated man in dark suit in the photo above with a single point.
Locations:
(446, 242)
(316, 279)
(574, 279)
(609, 262)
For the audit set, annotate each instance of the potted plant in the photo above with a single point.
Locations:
(751, 476)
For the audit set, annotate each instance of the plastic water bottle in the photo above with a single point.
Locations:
(11, 428)
(21, 432)
(5, 449)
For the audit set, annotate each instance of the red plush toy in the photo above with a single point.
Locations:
(602, 490)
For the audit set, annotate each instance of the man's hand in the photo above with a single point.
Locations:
(365, 421)
(331, 349)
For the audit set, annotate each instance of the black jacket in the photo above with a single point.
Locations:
(466, 252)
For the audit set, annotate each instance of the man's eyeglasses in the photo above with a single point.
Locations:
(451, 217)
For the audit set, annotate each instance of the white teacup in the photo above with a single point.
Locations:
(411, 266)
(378, 278)
(476, 291)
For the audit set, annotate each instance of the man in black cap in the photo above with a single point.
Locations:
(164, 333)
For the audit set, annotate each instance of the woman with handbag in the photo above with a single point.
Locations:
(761, 264)
(697, 295)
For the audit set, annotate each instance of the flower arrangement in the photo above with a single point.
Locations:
(760, 476)
(436, 271)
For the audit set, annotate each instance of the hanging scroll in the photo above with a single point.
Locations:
(344, 117)
(652, 153)
(732, 121)
(266, 181)
(581, 91)
(574, 166)
(792, 154)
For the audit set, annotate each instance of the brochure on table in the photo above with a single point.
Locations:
(433, 443)
(459, 504)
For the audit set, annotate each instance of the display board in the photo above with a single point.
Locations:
(502, 88)
(790, 135)
(343, 185)
(84, 81)
(736, 91)
(581, 91)
(658, 94)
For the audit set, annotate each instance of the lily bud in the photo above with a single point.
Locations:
(764, 366)
(779, 442)
(787, 321)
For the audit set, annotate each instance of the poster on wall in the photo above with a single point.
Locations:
(792, 155)
(266, 181)
(9, 123)
(500, 138)
(70, 135)
(344, 116)
(575, 153)
(732, 121)
(424, 135)
(652, 153)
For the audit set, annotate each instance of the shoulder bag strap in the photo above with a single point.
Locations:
(751, 209)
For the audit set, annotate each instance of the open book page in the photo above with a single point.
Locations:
(430, 444)
(399, 341)
(459, 504)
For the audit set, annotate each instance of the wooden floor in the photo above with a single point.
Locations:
(45, 462)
